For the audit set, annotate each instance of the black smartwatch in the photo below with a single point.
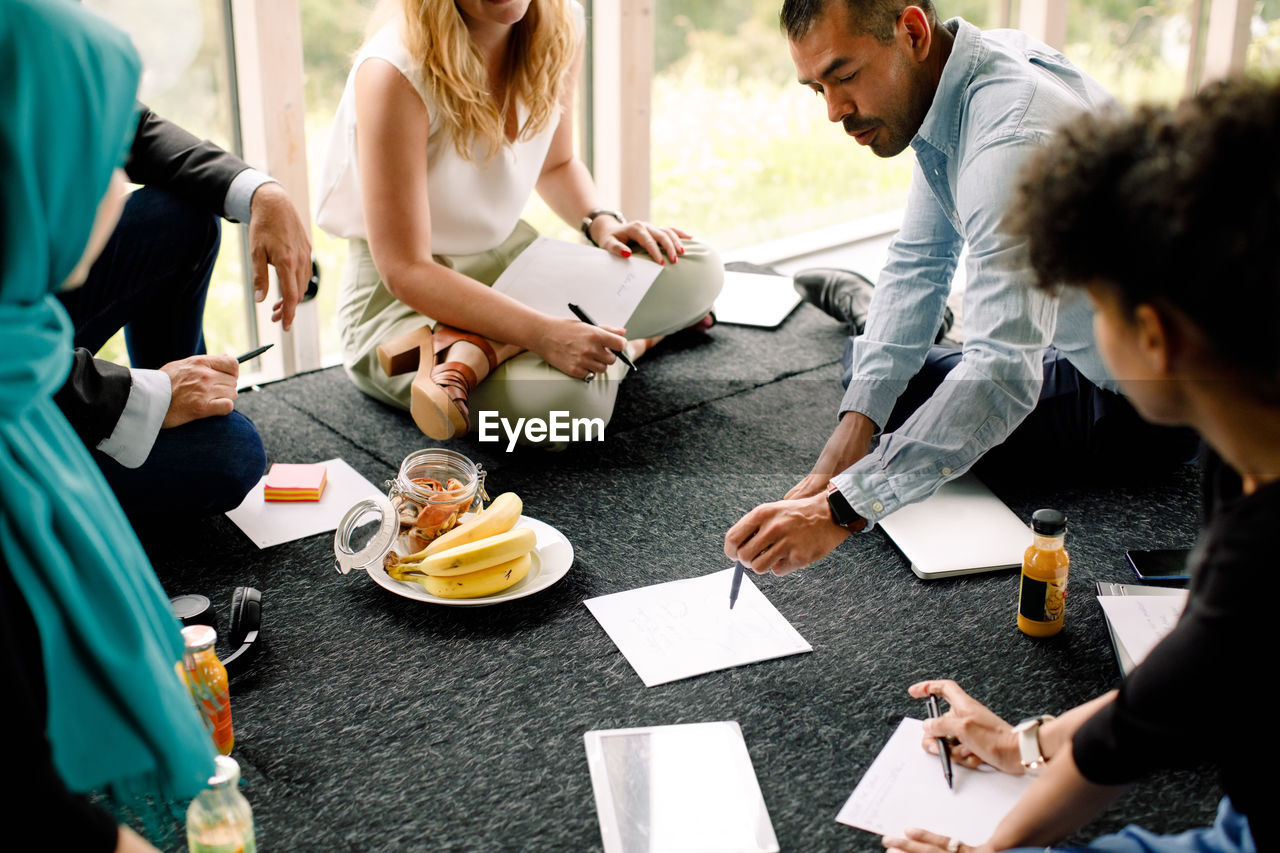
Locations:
(841, 511)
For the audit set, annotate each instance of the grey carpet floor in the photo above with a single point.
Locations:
(374, 722)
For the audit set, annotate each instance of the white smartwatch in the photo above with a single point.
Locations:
(1028, 734)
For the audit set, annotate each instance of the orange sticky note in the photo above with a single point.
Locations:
(288, 482)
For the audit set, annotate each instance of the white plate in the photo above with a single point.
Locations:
(552, 557)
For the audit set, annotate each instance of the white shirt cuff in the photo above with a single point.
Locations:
(135, 434)
(240, 194)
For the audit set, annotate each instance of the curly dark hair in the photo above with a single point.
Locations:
(876, 18)
(1173, 207)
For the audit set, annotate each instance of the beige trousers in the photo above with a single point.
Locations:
(524, 386)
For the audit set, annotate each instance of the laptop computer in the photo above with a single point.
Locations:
(962, 529)
(755, 299)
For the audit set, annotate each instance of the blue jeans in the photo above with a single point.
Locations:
(1076, 430)
(151, 280)
(1229, 834)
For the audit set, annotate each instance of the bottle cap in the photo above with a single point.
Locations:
(226, 772)
(199, 637)
(1048, 522)
(192, 609)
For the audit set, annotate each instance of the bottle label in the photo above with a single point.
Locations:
(1042, 601)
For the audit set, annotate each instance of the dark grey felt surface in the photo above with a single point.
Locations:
(373, 722)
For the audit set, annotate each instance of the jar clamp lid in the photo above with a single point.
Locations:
(435, 464)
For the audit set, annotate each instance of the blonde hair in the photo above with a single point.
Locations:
(542, 49)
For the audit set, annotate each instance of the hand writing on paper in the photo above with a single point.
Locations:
(785, 535)
(979, 736)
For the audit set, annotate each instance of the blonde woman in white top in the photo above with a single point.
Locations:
(453, 114)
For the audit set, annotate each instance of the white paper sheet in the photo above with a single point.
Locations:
(684, 628)
(550, 274)
(904, 787)
(1138, 622)
(268, 524)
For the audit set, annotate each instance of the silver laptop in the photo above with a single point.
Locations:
(753, 299)
(962, 529)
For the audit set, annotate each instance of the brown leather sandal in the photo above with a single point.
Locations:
(443, 405)
(428, 403)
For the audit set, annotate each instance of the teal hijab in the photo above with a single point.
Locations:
(119, 719)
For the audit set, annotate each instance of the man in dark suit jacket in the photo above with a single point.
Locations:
(165, 432)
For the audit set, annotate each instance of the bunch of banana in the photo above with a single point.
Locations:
(479, 557)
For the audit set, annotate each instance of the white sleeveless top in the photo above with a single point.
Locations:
(474, 204)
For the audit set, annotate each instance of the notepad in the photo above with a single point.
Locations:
(684, 628)
(678, 788)
(290, 482)
(904, 787)
(963, 528)
(550, 274)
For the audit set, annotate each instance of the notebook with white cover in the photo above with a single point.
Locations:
(961, 529)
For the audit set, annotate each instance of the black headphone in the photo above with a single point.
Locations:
(246, 623)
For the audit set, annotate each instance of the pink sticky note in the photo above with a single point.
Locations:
(289, 482)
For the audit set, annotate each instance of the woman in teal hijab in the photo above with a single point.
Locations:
(84, 623)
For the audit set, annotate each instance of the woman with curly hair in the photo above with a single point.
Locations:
(453, 114)
(1169, 221)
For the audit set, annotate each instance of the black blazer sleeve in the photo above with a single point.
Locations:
(165, 155)
(94, 396)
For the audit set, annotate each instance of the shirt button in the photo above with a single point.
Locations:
(946, 472)
(877, 506)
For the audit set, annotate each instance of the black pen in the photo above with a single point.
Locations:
(254, 353)
(944, 746)
(582, 315)
(738, 569)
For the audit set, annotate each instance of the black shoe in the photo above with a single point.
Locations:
(841, 294)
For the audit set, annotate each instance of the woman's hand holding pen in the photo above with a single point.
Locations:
(977, 735)
(663, 243)
(578, 349)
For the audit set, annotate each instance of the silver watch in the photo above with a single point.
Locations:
(1029, 752)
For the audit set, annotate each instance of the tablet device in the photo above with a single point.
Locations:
(678, 788)
(755, 299)
(962, 529)
(1165, 565)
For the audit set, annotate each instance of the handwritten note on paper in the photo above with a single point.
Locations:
(1139, 622)
(684, 628)
(550, 274)
(904, 787)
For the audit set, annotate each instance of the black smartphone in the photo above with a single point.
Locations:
(1169, 564)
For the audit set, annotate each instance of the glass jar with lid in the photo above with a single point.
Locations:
(430, 493)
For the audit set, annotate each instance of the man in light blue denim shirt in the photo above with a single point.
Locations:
(973, 105)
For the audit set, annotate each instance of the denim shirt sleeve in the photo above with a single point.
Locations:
(1007, 323)
(910, 296)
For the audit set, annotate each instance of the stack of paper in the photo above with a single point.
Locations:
(1138, 618)
(289, 483)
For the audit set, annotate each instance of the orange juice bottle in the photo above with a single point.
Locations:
(207, 681)
(1042, 590)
